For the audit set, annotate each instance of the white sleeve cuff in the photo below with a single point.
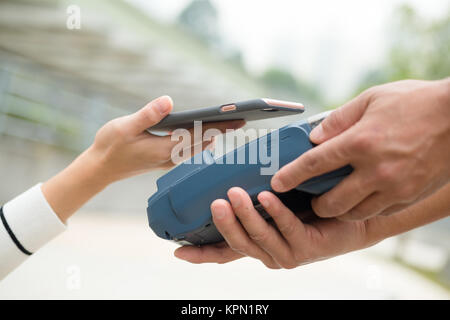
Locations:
(32, 220)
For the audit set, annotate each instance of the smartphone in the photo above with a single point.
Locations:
(249, 110)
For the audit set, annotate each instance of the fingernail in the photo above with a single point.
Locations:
(317, 133)
(264, 202)
(218, 213)
(162, 104)
(277, 184)
(235, 199)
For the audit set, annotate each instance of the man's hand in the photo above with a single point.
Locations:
(291, 242)
(396, 137)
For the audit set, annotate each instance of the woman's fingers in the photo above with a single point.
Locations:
(190, 151)
(235, 235)
(149, 115)
(184, 144)
(210, 130)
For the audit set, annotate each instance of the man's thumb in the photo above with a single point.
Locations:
(151, 114)
(339, 120)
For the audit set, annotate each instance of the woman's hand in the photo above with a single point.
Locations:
(122, 148)
(291, 242)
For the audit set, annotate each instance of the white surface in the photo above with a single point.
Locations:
(119, 257)
(32, 219)
(33, 222)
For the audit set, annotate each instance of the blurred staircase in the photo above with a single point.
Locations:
(58, 86)
(71, 81)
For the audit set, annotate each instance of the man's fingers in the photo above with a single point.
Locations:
(333, 136)
(393, 209)
(259, 231)
(215, 253)
(401, 206)
(344, 196)
(289, 225)
(340, 120)
(149, 115)
(235, 235)
(255, 225)
(379, 203)
(328, 156)
(369, 207)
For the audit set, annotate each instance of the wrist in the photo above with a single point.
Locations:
(91, 167)
(75, 185)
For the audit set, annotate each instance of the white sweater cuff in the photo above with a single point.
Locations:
(31, 219)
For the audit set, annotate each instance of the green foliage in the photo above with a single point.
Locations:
(418, 49)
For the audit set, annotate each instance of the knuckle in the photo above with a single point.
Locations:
(299, 258)
(355, 214)
(240, 248)
(366, 94)
(287, 229)
(333, 122)
(149, 115)
(260, 237)
(369, 94)
(284, 177)
(387, 213)
(328, 205)
(407, 193)
(246, 212)
(310, 162)
(117, 128)
(288, 265)
(370, 140)
(363, 143)
(386, 173)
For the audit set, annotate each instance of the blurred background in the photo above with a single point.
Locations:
(67, 67)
